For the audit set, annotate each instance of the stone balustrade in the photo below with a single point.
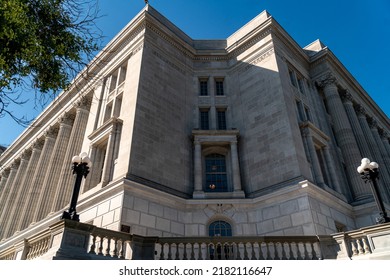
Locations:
(68, 239)
(239, 248)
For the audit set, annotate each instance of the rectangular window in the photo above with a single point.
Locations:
(203, 87)
(219, 87)
(292, 77)
(204, 119)
(221, 119)
(301, 85)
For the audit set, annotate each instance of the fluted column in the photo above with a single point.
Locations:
(7, 192)
(64, 190)
(345, 137)
(357, 129)
(37, 190)
(385, 140)
(26, 185)
(318, 177)
(384, 165)
(3, 181)
(376, 156)
(50, 184)
(13, 193)
(31, 156)
(235, 166)
(198, 167)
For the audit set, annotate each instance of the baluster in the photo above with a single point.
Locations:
(93, 246)
(299, 255)
(121, 251)
(261, 256)
(239, 251)
(268, 251)
(290, 252)
(162, 255)
(354, 250)
(360, 247)
(366, 247)
(284, 256)
(307, 256)
(185, 251)
(169, 251)
(253, 254)
(115, 251)
(313, 251)
(100, 251)
(245, 252)
(192, 251)
(276, 245)
(177, 256)
(108, 246)
(200, 257)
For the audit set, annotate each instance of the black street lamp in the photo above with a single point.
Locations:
(369, 173)
(81, 165)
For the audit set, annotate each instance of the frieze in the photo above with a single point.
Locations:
(258, 60)
(170, 63)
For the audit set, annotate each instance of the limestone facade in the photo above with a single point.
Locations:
(253, 131)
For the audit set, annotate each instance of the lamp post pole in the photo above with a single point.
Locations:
(369, 173)
(81, 165)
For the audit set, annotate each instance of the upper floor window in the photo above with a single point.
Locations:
(118, 77)
(221, 119)
(292, 77)
(219, 87)
(216, 177)
(203, 87)
(204, 119)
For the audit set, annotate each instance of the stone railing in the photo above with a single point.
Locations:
(68, 239)
(239, 248)
(366, 243)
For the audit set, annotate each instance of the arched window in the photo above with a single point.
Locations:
(220, 228)
(216, 179)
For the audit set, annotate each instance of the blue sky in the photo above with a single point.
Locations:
(357, 31)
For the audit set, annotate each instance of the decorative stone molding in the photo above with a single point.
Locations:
(326, 80)
(346, 97)
(38, 145)
(360, 111)
(67, 119)
(372, 123)
(51, 132)
(83, 103)
(221, 209)
(26, 155)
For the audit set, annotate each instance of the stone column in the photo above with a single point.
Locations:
(37, 190)
(345, 137)
(385, 140)
(65, 184)
(376, 156)
(357, 129)
(235, 167)
(26, 186)
(32, 157)
(318, 177)
(13, 193)
(50, 184)
(198, 167)
(3, 181)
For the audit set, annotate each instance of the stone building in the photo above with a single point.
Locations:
(248, 136)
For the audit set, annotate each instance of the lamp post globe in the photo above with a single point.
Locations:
(369, 172)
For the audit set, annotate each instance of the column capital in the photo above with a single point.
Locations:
(383, 134)
(327, 80)
(360, 111)
(38, 144)
(26, 154)
(346, 97)
(83, 103)
(66, 119)
(15, 164)
(5, 172)
(51, 132)
(372, 123)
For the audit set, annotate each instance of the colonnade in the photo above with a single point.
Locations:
(358, 135)
(40, 180)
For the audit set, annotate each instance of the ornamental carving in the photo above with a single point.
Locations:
(372, 123)
(346, 97)
(83, 103)
(326, 80)
(38, 145)
(361, 112)
(67, 118)
(225, 209)
(26, 155)
(51, 132)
